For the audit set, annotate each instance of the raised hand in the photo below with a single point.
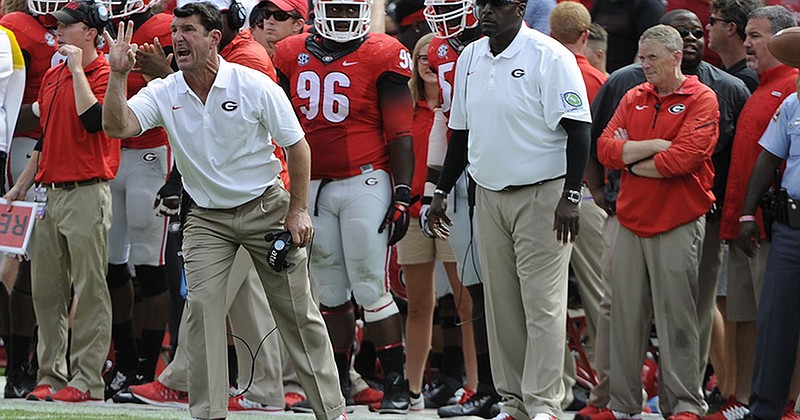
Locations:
(121, 53)
(152, 62)
(74, 57)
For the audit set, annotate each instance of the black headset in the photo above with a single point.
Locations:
(237, 15)
(98, 15)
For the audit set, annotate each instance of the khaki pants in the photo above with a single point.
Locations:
(525, 285)
(70, 249)
(250, 319)
(657, 276)
(211, 240)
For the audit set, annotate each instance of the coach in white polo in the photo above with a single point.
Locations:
(220, 118)
(520, 114)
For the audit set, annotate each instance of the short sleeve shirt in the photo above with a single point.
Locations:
(782, 139)
(222, 147)
(512, 104)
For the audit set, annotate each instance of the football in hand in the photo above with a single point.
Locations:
(785, 46)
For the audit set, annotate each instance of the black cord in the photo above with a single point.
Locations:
(471, 253)
(252, 357)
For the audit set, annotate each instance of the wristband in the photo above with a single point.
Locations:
(35, 108)
(747, 218)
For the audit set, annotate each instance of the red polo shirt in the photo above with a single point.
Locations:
(69, 152)
(592, 77)
(689, 118)
(775, 85)
(245, 51)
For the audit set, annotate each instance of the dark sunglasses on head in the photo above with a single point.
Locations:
(713, 20)
(494, 3)
(696, 33)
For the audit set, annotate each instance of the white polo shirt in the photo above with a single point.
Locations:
(222, 147)
(512, 104)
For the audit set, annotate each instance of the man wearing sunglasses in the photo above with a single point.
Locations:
(726, 36)
(274, 20)
(520, 116)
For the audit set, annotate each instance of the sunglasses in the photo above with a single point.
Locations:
(697, 33)
(495, 3)
(279, 16)
(422, 58)
(713, 20)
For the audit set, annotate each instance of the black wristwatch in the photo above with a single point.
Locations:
(573, 196)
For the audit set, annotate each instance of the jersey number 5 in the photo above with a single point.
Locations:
(335, 106)
(445, 86)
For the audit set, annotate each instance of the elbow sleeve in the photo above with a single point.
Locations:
(92, 118)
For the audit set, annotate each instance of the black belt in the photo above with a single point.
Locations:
(69, 185)
(535, 184)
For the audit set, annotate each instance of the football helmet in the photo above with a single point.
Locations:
(449, 18)
(119, 9)
(342, 20)
(45, 7)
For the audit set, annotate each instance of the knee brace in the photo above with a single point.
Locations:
(152, 279)
(381, 309)
(118, 275)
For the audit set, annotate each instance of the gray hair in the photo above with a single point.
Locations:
(779, 18)
(663, 35)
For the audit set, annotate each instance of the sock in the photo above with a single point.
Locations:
(392, 359)
(124, 346)
(149, 353)
(485, 381)
(19, 350)
(342, 360)
(233, 366)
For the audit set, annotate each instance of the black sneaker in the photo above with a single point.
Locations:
(19, 382)
(395, 396)
(119, 381)
(440, 393)
(479, 405)
(125, 396)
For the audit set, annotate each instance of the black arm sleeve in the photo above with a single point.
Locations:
(578, 145)
(454, 161)
(283, 81)
(92, 119)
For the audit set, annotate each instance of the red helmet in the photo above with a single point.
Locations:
(449, 18)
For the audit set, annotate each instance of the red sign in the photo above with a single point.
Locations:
(16, 226)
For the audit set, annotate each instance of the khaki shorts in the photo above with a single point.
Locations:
(745, 279)
(416, 248)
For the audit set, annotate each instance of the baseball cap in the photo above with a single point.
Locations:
(79, 11)
(221, 5)
(300, 6)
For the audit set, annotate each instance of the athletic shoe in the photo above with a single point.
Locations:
(503, 416)
(342, 416)
(716, 401)
(293, 398)
(156, 393)
(479, 405)
(19, 382)
(242, 403)
(395, 396)
(71, 395)
(587, 412)
(732, 410)
(684, 415)
(789, 413)
(368, 396)
(119, 381)
(40, 393)
(544, 416)
(416, 403)
(441, 393)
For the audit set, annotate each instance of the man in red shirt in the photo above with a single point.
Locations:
(663, 132)
(73, 162)
(746, 274)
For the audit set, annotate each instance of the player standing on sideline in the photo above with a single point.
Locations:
(138, 234)
(349, 89)
(455, 25)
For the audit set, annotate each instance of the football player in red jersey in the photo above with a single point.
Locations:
(138, 235)
(350, 91)
(455, 24)
(39, 48)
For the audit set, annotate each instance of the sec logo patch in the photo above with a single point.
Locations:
(442, 51)
(303, 59)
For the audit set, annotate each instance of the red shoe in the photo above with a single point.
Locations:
(242, 403)
(71, 395)
(731, 410)
(684, 415)
(293, 398)
(588, 411)
(466, 395)
(601, 414)
(156, 393)
(40, 393)
(789, 413)
(368, 396)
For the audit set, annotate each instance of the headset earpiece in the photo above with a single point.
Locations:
(98, 15)
(237, 15)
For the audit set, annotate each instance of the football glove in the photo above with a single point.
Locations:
(423, 218)
(397, 218)
(168, 198)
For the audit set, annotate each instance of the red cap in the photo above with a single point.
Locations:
(299, 6)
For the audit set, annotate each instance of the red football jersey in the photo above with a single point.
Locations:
(158, 26)
(442, 59)
(336, 100)
(41, 47)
